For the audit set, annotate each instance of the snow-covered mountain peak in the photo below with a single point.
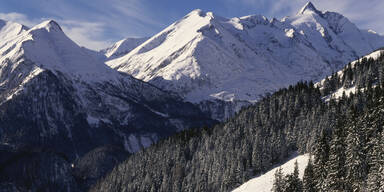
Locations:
(48, 47)
(49, 25)
(182, 32)
(309, 7)
(197, 12)
(207, 57)
(8, 30)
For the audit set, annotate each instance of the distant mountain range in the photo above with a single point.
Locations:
(205, 57)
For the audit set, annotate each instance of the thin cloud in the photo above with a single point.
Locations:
(87, 34)
(120, 18)
(18, 18)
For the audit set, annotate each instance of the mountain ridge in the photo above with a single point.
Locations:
(194, 55)
(70, 91)
(122, 47)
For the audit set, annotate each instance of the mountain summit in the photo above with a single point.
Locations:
(309, 7)
(205, 57)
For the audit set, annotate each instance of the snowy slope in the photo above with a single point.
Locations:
(374, 55)
(123, 47)
(264, 182)
(350, 90)
(207, 57)
(54, 92)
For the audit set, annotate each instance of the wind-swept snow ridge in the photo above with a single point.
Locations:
(207, 57)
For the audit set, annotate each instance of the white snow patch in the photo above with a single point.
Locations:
(224, 95)
(339, 93)
(289, 33)
(374, 55)
(30, 76)
(264, 183)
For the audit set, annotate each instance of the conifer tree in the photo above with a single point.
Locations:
(336, 164)
(309, 184)
(293, 182)
(279, 181)
(321, 155)
(356, 165)
(375, 181)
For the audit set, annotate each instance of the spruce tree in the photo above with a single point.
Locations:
(336, 164)
(309, 184)
(356, 165)
(375, 181)
(293, 182)
(321, 155)
(279, 181)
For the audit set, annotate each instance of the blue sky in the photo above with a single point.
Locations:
(98, 23)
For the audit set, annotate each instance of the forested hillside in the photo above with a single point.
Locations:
(223, 157)
(350, 156)
(364, 73)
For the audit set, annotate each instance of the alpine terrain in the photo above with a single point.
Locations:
(208, 104)
(344, 135)
(59, 101)
(211, 60)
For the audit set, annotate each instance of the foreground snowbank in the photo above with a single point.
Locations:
(263, 183)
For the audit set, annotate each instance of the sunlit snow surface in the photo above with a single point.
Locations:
(122, 47)
(204, 56)
(103, 94)
(264, 182)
